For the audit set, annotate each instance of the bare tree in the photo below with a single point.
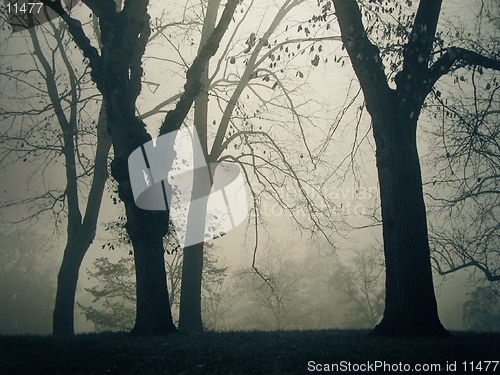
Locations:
(239, 137)
(281, 300)
(361, 283)
(464, 162)
(82, 140)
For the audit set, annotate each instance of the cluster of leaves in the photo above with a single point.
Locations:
(387, 23)
(116, 291)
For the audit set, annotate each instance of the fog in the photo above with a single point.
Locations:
(309, 279)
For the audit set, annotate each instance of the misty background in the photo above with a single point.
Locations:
(332, 279)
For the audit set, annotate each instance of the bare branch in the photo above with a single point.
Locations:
(461, 57)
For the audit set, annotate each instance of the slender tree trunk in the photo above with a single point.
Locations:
(80, 233)
(192, 266)
(64, 311)
(190, 303)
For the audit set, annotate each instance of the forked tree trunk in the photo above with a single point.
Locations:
(81, 233)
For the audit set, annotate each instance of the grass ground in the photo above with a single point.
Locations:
(289, 352)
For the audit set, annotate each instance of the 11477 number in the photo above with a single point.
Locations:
(24, 8)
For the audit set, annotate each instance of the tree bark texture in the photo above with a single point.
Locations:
(411, 308)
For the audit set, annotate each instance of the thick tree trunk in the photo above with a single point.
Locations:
(411, 308)
(146, 230)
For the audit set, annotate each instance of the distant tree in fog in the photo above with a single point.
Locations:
(218, 294)
(114, 297)
(116, 294)
(361, 281)
(279, 295)
(27, 279)
(482, 310)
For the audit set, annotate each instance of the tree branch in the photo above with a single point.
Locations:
(417, 51)
(216, 150)
(486, 271)
(365, 58)
(174, 118)
(82, 41)
(464, 57)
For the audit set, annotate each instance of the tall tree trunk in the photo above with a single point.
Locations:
(80, 233)
(192, 266)
(411, 307)
(146, 230)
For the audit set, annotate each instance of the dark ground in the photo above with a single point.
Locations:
(287, 352)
